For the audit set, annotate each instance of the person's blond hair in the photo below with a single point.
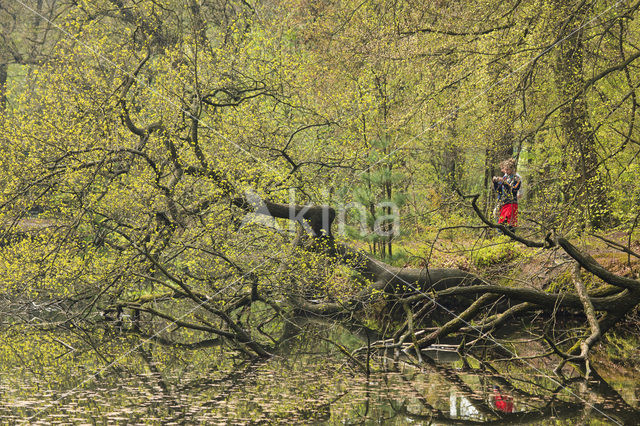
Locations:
(509, 163)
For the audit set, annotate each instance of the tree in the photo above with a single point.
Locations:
(28, 34)
(154, 142)
(580, 137)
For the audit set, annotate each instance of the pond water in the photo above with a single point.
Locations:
(315, 384)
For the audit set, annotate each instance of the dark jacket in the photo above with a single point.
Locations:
(508, 188)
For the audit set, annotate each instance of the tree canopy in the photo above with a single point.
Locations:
(199, 173)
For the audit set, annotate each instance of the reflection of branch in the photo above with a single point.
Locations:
(454, 378)
(346, 353)
(614, 408)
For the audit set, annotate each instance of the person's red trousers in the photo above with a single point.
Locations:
(509, 214)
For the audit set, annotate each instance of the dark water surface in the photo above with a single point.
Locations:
(46, 379)
(307, 388)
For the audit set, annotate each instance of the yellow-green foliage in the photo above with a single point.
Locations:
(564, 281)
(623, 347)
(496, 253)
(277, 96)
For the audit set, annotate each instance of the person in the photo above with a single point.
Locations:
(502, 402)
(508, 186)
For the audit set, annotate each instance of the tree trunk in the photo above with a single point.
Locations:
(452, 161)
(3, 86)
(589, 187)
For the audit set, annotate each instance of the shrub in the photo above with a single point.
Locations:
(500, 252)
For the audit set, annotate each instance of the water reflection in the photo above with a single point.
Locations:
(501, 401)
(313, 383)
(461, 407)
